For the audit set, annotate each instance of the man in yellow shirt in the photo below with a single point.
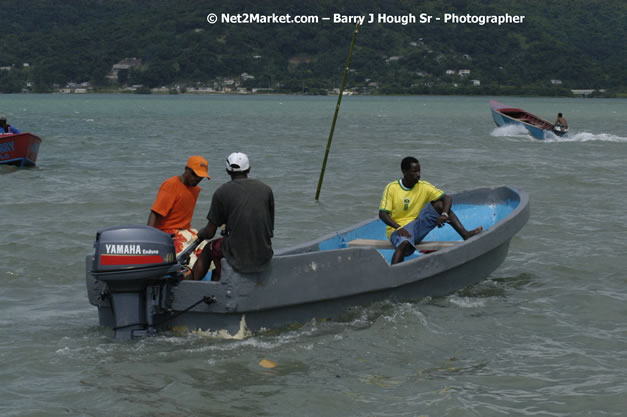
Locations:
(411, 208)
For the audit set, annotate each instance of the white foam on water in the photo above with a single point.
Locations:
(511, 130)
(520, 131)
(241, 334)
(466, 302)
(586, 137)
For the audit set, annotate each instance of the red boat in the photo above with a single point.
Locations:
(19, 149)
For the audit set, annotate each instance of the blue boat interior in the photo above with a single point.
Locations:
(471, 216)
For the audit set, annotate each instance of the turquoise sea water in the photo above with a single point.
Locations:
(544, 335)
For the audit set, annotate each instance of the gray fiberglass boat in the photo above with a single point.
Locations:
(133, 276)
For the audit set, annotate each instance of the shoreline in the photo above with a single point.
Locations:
(331, 94)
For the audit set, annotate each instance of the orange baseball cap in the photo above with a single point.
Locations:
(199, 165)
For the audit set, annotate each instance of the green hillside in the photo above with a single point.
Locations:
(580, 44)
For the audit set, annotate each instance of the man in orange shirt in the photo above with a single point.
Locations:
(174, 206)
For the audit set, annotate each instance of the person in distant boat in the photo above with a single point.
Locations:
(174, 206)
(5, 128)
(245, 206)
(411, 208)
(560, 124)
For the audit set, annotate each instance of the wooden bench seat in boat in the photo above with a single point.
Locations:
(386, 244)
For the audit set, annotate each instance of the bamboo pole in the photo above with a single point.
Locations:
(337, 109)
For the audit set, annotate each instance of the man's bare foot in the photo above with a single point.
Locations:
(473, 232)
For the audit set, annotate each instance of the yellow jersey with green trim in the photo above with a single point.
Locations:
(404, 204)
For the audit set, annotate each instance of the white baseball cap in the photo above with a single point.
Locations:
(237, 162)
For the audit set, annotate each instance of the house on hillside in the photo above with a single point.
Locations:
(586, 91)
(125, 64)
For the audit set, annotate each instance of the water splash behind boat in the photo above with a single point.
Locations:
(587, 137)
(518, 131)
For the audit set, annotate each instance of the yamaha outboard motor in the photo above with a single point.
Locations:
(138, 265)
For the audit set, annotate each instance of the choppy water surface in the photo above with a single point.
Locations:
(544, 335)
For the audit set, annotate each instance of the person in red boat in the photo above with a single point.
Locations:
(174, 206)
(5, 128)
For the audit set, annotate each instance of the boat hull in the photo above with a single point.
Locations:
(537, 127)
(307, 282)
(440, 284)
(19, 149)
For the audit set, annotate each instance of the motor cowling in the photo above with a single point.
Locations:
(129, 251)
(138, 264)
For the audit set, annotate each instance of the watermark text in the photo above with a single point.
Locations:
(366, 19)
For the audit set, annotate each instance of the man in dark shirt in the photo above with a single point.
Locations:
(246, 207)
(5, 128)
